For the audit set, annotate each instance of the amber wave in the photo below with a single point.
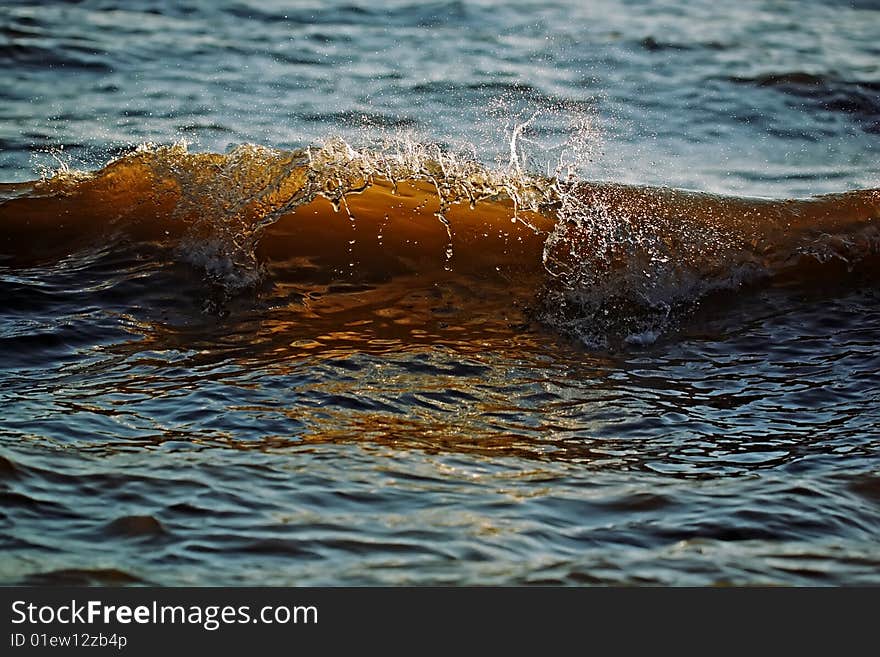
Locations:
(581, 250)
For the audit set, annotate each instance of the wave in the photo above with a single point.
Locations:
(602, 261)
(72, 57)
(859, 99)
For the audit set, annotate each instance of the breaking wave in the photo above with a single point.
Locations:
(601, 261)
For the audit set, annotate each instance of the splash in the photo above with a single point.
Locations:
(630, 262)
(228, 201)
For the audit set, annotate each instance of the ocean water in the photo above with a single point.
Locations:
(485, 292)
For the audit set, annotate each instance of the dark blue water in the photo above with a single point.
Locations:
(335, 428)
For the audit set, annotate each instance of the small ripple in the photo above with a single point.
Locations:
(136, 527)
(81, 577)
(32, 56)
(8, 470)
(867, 486)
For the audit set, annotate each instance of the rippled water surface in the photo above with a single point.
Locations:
(354, 404)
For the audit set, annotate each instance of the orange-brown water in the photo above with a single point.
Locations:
(572, 253)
